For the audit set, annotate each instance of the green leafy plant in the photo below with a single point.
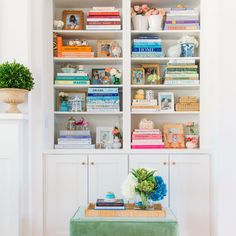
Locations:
(15, 75)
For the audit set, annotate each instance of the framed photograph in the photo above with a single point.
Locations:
(104, 48)
(138, 76)
(100, 76)
(76, 101)
(173, 135)
(73, 20)
(104, 135)
(166, 102)
(152, 73)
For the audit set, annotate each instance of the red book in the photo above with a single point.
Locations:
(103, 13)
(90, 17)
(103, 23)
(59, 46)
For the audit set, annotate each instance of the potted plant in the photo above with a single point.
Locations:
(145, 187)
(139, 18)
(188, 45)
(155, 18)
(16, 81)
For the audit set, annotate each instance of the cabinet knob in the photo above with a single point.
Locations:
(83, 163)
(92, 163)
(164, 163)
(173, 163)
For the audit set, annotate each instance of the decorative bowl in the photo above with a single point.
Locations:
(110, 197)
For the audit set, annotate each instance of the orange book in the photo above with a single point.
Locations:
(76, 49)
(59, 46)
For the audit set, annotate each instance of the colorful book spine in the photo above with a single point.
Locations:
(135, 146)
(150, 49)
(59, 46)
(71, 78)
(103, 23)
(110, 13)
(66, 82)
(149, 136)
(103, 16)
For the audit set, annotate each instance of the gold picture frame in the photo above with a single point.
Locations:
(138, 77)
(173, 135)
(104, 48)
(73, 20)
(149, 71)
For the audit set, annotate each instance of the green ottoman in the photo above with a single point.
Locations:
(80, 225)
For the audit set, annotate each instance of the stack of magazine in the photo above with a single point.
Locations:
(103, 204)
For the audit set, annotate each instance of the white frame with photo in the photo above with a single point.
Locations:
(161, 96)
(99, 130)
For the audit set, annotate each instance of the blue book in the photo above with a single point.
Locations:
(75, 136)
(72, 78)
(148, 44)
(103, 94)
(151, 49)
(102, 90)
(148, 37)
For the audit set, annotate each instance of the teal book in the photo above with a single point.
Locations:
(71, 78)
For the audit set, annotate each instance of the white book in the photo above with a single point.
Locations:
(74, 132)
(103, 8)
(103, 27)
(182, 75)
(73, 146)
(144, 110)
(103, 19)
(145, 141)
(78, 142)
(134, 143)
(73, 74)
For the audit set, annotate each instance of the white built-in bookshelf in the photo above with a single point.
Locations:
(125, 119)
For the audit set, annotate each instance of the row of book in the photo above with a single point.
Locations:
(67, 51)
(80, 77)
(182, 19)
(147, 46)
(103, 100)
(75, 139)
(102, 204)
(147, 139)
(103, 18)
(181, 72)
(144, 105)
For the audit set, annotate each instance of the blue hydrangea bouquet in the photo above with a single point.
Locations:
(144, 185)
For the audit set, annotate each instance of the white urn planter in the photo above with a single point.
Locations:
(140, 22)
(13, 97)
(155, 22)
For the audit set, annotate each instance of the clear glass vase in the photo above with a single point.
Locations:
(143, 203)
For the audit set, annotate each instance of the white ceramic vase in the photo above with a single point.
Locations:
(140, 22)
(155, 22)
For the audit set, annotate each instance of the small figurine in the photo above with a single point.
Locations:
(115, 50)
(58, 24)
(139, 94)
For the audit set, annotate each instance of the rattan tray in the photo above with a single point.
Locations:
(158, 211)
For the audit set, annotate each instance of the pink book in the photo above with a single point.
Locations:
(148, 146)
(147, 136)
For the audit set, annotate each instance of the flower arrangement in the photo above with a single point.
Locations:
(156, 11)
(139, 10)
(146, 184)
(192, 137)
(189, 40)
(115, 74)
(63, 96)
(82, 124)
(192, 128)
(116, 133)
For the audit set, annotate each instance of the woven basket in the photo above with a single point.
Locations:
(187, 106)
(188, 99)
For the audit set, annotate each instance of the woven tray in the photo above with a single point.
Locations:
(158, 211)
(187, 106)
(187, 99)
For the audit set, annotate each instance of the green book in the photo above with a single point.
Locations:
(72, 78)
(68, 82)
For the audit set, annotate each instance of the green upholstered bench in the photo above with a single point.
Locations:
(80, 225)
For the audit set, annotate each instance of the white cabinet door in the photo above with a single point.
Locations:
(65, 191)
(106, 173)
(152, 161)
(189, 197)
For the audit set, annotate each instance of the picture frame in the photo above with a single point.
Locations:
(72, 95)
(73, 20)
(100, 76)
(166, 101)
(104, 136)
(152, 73)
(173, 135)
(138, 76)
(104, 48)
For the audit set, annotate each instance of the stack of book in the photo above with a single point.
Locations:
(80, 77)
(182, 19)
(147, 139)
(75, 139)
(103, 18)
(144, 105)
(181, 72)
(147, 46)
(73, 51)
(103, 100)
(102, 204)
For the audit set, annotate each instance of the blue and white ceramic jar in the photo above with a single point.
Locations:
(187, 49)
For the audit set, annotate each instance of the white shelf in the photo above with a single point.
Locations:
(167, 34)
(164, 87)
(88, 113)
(91, 34)
(13, 116)
(91, 61)
(56, 86)
(163, 60)
(167, 113)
